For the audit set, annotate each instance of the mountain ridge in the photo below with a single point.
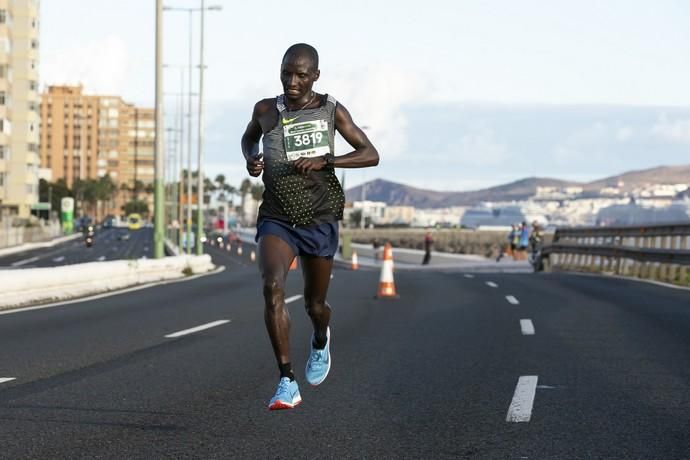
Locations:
(397, 194)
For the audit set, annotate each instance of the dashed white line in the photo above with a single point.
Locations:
(197, 329)
(59, 259)
(512, 299)
(24, 262)
(468, 275)
(491, 284)
(101, 259)
(6, 379)
(292, 299)
(520, 409)
(527, 327)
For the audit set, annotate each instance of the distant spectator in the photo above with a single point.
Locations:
(375, 244)
(523, 241)
(428, 242)
(513, 238)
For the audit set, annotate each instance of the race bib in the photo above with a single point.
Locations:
(306, 139)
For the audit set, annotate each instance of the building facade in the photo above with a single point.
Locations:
(91, 136)
(19, 103)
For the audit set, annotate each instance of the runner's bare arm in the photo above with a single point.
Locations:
(363, 155)
(251, 138)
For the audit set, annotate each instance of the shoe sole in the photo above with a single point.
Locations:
(280, 405)
(330, 361)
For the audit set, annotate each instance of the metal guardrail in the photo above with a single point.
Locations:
(658, 252)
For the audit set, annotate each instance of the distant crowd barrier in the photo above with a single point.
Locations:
(656, 252)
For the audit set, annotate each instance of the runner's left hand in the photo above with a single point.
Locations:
(304, 165)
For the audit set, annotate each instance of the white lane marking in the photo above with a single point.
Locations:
(512, 299)
(112, 293)
(520, 409)
(101, 259)
(527, 327)
(197, 329)
(467, 275)
(59, 259)
(331, 275)
(6, 379)
(293, 298)
(25, 261)
(491, 284)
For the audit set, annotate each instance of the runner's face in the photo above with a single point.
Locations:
(298, 76)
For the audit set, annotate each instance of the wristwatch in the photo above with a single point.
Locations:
(330, 160)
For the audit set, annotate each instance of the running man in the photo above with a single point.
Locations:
(302, 203)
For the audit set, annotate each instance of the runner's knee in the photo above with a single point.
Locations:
(274, 291)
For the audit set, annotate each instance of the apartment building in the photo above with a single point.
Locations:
(19, 119)
(90, 136)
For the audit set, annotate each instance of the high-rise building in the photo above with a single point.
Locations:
(90, 136)
(19, 120)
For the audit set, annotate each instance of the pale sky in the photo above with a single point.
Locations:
(437, 82)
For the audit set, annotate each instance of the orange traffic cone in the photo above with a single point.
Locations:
(252, 256)
(239, 250)
(293, 265)
(355, 263)
(386, 282)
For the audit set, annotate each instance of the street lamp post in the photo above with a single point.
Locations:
(201, 9)
(159, 223)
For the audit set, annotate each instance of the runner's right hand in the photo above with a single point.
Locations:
(255, 165)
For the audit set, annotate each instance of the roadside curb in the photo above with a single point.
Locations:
(31, 286)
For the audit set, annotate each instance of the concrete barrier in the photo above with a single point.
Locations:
(41, 285)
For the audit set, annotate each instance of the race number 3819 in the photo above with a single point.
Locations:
(306, 139)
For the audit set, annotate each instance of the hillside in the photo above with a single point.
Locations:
(397, 194)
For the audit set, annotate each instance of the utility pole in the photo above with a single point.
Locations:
(200, 161)
(159, 205)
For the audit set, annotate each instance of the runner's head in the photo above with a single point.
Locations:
(299, 70)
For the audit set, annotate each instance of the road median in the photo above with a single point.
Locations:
(33, 286)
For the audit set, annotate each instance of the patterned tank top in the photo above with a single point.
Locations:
(288, 196)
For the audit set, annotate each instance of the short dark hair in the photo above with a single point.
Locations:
(303, 50)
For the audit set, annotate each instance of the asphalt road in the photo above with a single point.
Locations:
(433, 374)
(109, 244)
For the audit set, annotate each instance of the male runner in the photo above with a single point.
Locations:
(302, 203)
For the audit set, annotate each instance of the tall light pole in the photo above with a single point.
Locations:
(158, 197)
(189, 122)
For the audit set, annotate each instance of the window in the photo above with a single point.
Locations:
(34, 44)
(3, 16)
(2, 151)
(3, 70)
(3, 98)
(33, 85)
(2, 179)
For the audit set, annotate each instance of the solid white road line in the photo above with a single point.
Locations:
(6, 379)
(293, 298)
(520, 409)
(25, 261)
(512, 299)
(197, 329)
(468, 275)
(527, 327)
(491, 284)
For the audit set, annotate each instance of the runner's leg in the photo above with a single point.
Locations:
(317, 275)
(275, 256)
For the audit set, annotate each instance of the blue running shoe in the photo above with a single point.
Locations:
(319, 362)
(287, 395)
